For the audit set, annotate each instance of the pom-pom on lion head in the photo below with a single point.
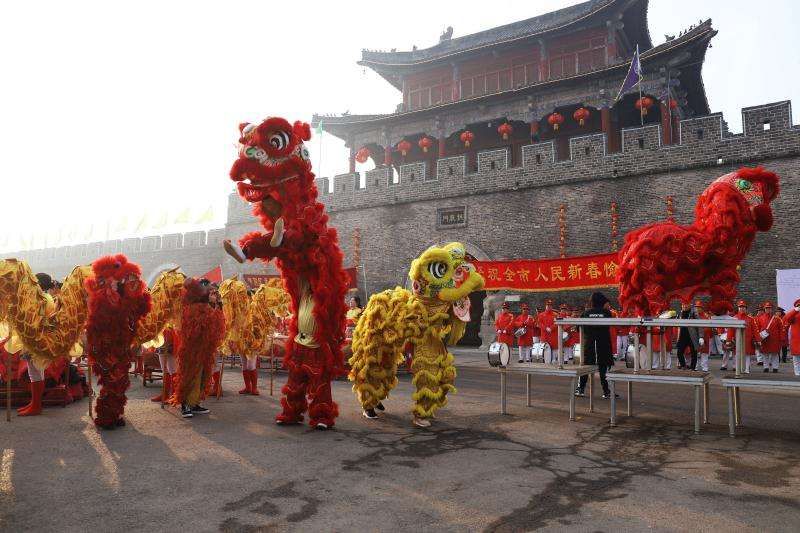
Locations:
(200, 291)
(444, 273)
(116, 276)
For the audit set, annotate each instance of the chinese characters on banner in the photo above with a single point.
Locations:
(540, 275)
(254, 281)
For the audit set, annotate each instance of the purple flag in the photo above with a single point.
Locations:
(634, 75)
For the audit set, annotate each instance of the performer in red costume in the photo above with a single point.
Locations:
(770, 330)
(573, 337)
(201, 334)
(547, 323)
(169, 367)
(750, 335)
(117, 300)
(792, 323)
(523, 330)
(665, 260)
(504, 326)
(273, 172)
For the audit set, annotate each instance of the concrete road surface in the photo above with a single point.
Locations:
(234, 470)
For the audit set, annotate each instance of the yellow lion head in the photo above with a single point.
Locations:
(444, 273)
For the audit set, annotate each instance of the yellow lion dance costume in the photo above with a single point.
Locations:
(250, 323)
(441, 277)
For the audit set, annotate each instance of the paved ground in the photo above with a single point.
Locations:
(234, 470)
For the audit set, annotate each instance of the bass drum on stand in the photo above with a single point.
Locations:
(499, 354)
(631, 353)
(541, 353)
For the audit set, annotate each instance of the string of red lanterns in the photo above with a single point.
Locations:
(562, 230)
(467, 137)
(614, 227)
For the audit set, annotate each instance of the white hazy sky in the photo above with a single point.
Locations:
(110, 111)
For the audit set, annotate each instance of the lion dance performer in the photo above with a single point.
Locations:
(200, 336)
(118, 298)
(441, 277)
(665, 260)
(273, 172)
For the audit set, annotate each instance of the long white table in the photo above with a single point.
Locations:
(758, 380)
(574, 372)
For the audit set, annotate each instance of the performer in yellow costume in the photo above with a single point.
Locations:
(441, 278)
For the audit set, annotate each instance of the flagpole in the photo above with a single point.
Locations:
(639, 83)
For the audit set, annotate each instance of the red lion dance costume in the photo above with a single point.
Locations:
(200, 336)
(273, 173)
(665, 260)
(117, 300)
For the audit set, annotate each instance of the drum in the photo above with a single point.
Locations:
(629, 355)
(499, 354)
(541, 352)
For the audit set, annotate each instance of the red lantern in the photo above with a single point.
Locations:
(554, 119)
(425, 143)
(673, 104)
(643, 104)
(404, 146)
(581, 115)
(467, 138)
(505, 130)
(363, 154)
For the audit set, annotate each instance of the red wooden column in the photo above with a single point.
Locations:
(605, 123)
(676, 132)
(534, 128)
(666, 126)
(387, 155)
(441, 145)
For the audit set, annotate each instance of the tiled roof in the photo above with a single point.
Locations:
(515, 30)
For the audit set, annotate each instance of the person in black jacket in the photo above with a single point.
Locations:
(597, 343)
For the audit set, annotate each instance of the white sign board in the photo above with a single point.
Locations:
(788, 282)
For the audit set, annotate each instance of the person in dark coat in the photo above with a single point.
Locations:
(597, 343)
(688, 337)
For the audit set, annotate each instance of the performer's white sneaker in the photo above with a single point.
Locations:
(369, 413)
(422, 422)
(321, 426)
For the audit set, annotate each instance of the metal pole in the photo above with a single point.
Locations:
(697, 409)
(739, 352)
(630, 398)
(636, 352)
(731, 415)
(502, 392)
(737, 404)
(648, 360)
(611, 385)
(560, 348)
(573, 386)
(528, 389)
(706, 400)
(580, 341)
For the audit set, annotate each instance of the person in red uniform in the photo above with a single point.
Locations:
(704, 350)
(770, 330)
(523, 330)
(791, 323)
(504, 325)
(750, 330)
(547, 323)
(756, 338)
(573, 337)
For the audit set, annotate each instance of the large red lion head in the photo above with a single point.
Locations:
(115, 277)
(748, 192)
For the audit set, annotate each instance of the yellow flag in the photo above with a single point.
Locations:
(207, 216)
(142, 225)
(161, 222)
(183, 218)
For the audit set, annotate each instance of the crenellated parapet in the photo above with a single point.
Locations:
(700, 142)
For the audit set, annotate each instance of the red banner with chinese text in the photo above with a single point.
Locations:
(548, 275)
(254, 281)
